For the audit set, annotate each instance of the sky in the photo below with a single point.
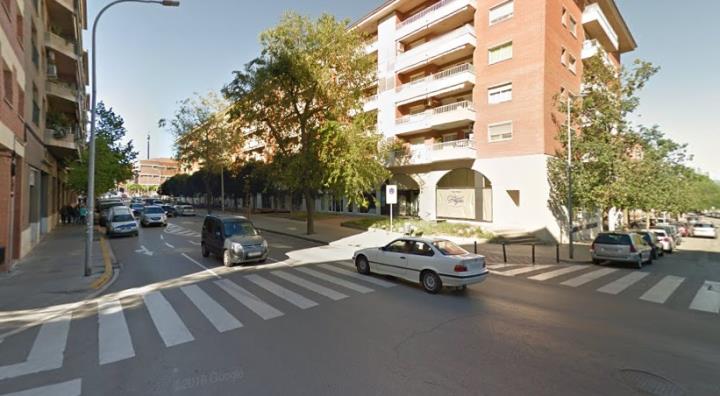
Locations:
(150, 57)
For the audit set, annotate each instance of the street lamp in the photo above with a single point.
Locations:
(571, 250)
(91, 160)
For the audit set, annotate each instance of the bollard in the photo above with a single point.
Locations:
(504, 254)
(533, 253)
(557, 253)
(475, 243)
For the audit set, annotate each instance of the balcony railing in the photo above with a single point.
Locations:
(428, 16)
(437, 110)
(598, 25)
(446, 151)
(460, 74)
(61, 44)
(370, 103)
(371, 46)
(443, 116)
(441, 45)
(64, 90)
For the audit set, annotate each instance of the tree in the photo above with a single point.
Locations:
(113, 158)
(204, 135)
(301, 94)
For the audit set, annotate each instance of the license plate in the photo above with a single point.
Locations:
(254, 254)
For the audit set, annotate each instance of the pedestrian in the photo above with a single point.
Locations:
(63, 214)
(82, 214)
(73, 214)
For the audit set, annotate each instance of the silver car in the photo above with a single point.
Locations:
(153, 215)
(120, 221)
(626, 247)
(185, 210)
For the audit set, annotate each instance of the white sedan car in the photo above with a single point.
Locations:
(704, 230)
(433, 263)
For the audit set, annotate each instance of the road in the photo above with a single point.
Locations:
(178, 323)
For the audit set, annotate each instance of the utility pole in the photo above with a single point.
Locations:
(222, 188)
(148, 146)
(571, 252)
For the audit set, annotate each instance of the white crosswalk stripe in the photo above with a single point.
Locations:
(335, 280)
(558, 272)
(707, 298)
(68, 388)
(282, 292)
(214, 312)
(248, 299)
(114, 343)
(519, 271)
(623, 283)
(589, 277)
(501, 266)
(167, 322)
(365, 278)
(663, 289)
(319, 289)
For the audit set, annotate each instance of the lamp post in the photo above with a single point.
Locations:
(91, 159)
(571, 250)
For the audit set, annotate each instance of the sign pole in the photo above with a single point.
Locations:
(391, 198)
(391, 217)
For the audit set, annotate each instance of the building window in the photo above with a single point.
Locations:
(572, 64)
(500, 93)
(502, 12)
(21, 102)
(573, 26)
(500, 131)
(19, 30)
(563, 56)
(563, 19)
(8, 85)
(500, 53)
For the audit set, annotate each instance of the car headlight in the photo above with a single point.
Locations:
(264, 244)
(236, 247)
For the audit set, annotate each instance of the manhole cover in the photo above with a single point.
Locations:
(649, 383)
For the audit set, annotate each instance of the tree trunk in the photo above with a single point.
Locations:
(647, 220)
(309, 213)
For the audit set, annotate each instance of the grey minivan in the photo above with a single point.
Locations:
(234, 239)
(626, 247)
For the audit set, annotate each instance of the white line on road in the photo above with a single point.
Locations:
(616, 287)
(319, 289)
(663, 289)
(251, 301)
(201, 266)
(558, 272)
(162, 237)
(167, 322)
(335, 280)
(282, 292)
(114, 342)
(589, 277)
(194, 243)
(501, 266)
(707, 298)
(365, 278)
(47, 351)
(214, 312)
(524, 270)
(69, 388)
(169, 245)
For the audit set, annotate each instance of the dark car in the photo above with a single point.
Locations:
(170, 210)
(234, 239)
(137, 209)
(653, 241)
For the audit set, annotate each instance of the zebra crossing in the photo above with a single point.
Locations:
(258, 294)
(180, 230)
(614, 281)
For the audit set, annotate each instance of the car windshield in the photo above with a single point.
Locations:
(703, 225)
(613, 239)
(448, 248)
(122, 217)
(136, 206)
(243, 228)
(153, 210)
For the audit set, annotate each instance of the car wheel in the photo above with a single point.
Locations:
(596, 261)
(362, 265)
(204, 250)
(670, 251)
(431, 282)
(639, 263)
(226, 258)
(654, 254)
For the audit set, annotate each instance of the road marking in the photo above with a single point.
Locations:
(113, 334)
(47, 351)
(589, 277)
(194, 243)
(319, 289)
(365, 278)
(558, 272)
(162, 237)
(501, 266)
(335, 280)
(663, 289)
(167, 322)
(169, 245)
(282, 292)
(201, 266)
(707, 298)
(214, 312)
(519, 271)
(616, 287)
(248, 299)
(144, 250)
(69, 388)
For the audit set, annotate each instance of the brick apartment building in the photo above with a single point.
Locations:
(155, 171)
(42, 117)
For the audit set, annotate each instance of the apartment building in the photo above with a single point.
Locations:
(42, 117)
(155, 171)
(468, 87)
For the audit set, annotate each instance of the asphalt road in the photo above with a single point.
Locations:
(185, 325)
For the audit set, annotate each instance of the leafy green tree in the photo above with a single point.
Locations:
(304, 95)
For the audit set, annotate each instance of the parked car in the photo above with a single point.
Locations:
(673, 231)
(683, 229)
(666, 240)
(654, 242)
(704, 230)
(170, 210)
(234, 239)
(103, 209)
(137, 209)
(185, 210)
(626, 247)
(121, 222)
(432, 262)
(153, 215)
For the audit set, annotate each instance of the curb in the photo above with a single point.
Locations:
(293, 236)
(108, 273)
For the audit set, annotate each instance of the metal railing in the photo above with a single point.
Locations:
(465, 104)
(463, 68)
(454, 144)
(465, 29)
(424, 12)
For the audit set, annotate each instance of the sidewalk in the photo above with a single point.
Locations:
(50, 276)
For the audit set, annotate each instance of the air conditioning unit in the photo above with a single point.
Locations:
(52, 71)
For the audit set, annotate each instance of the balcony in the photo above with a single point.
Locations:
(61, 45)
(447, 151)
(63, 90)
(68, 4)
(598, 27)
(451, 46)
(443, 14)
(61, 142)
(592, 48)
(443, 117)
(457, 78)
(372, 46)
